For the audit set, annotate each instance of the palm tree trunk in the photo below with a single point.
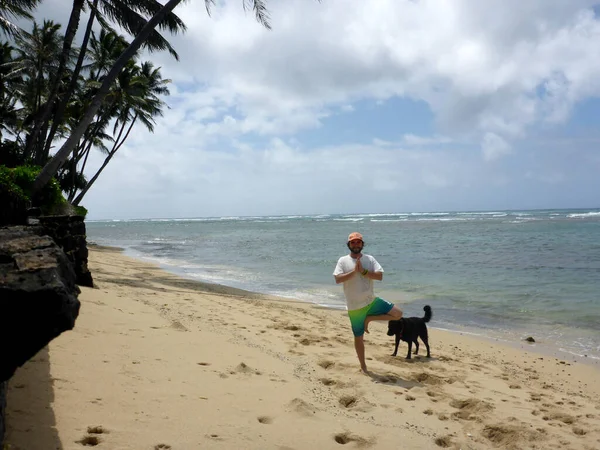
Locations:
(116, 147)
(62, 63)
(110, 153)
(87, 153)
(53, 165)
(58, 115)
(73, 189)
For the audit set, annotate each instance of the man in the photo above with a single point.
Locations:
(357, 272)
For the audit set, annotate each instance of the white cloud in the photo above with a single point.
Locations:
(489, 72)
(494, 147)
(279, 177)
(477, 67)
(411, 139)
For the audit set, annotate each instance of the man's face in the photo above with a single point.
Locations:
(356, 246)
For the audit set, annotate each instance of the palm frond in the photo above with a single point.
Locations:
(148, 8)
(261, 13)
(208, 4)
(8, 28)
(133, 22)
(14, 10)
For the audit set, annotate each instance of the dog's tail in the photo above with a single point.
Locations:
(428, 313)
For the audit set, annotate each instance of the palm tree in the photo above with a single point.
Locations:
(67, 148)
(62, 62)
(10, 78)
(138, 97)
(128, 14)
(104, 51)
(15, 9)
(37, 53)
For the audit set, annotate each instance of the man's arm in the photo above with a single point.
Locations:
(374, 275)
(377, 272)
(340, 278)
(344, 276)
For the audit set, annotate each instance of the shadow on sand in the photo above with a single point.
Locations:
(30, 421)
(392, 379)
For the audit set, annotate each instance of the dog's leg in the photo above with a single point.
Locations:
(409, 349)
(425, 339)
(416, 346)
(396, 348)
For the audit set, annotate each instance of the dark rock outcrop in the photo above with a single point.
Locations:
(14, 209)
(69, 233)
(3, 388)
(38, 295)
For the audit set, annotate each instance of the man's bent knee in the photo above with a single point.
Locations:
(396, 313)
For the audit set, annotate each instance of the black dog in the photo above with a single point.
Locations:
(409, 330)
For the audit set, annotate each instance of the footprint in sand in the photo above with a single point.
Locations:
(426, 378)
(99, 429)
(469, 409)
(443, 441)
(203, 364)
(176, 325)
(535, 397)
(162, 447)
(561, 417)
(355, 403)
(346, 438)
(265, 419)
(326, 364)
(328, 381)
(244, 368)
(215, 437)
(89, 441)
(348, 401)
(309, 340)
(301, 407)
(502, 434)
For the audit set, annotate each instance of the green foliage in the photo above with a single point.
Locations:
(81, 211)
(8, 188)
(17, 184)
(11, 153)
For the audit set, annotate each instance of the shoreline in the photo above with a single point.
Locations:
(497, 336)
(157, 361)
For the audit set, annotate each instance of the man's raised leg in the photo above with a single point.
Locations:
(394, 314)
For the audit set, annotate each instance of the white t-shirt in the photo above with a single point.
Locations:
(358, 289)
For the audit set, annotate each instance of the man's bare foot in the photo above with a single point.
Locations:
(367, 320)
(364, 370)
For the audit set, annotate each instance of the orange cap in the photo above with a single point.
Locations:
(355, 235)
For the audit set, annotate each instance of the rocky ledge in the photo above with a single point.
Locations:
(38, 295)
(38, 298)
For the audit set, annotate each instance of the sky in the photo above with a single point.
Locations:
(348, 106)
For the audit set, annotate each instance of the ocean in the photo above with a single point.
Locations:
(505, 275)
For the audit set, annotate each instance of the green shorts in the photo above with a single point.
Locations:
(377, 307)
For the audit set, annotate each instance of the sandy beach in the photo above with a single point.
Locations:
(160, 362)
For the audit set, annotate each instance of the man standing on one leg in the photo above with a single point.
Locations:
(357, 272)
